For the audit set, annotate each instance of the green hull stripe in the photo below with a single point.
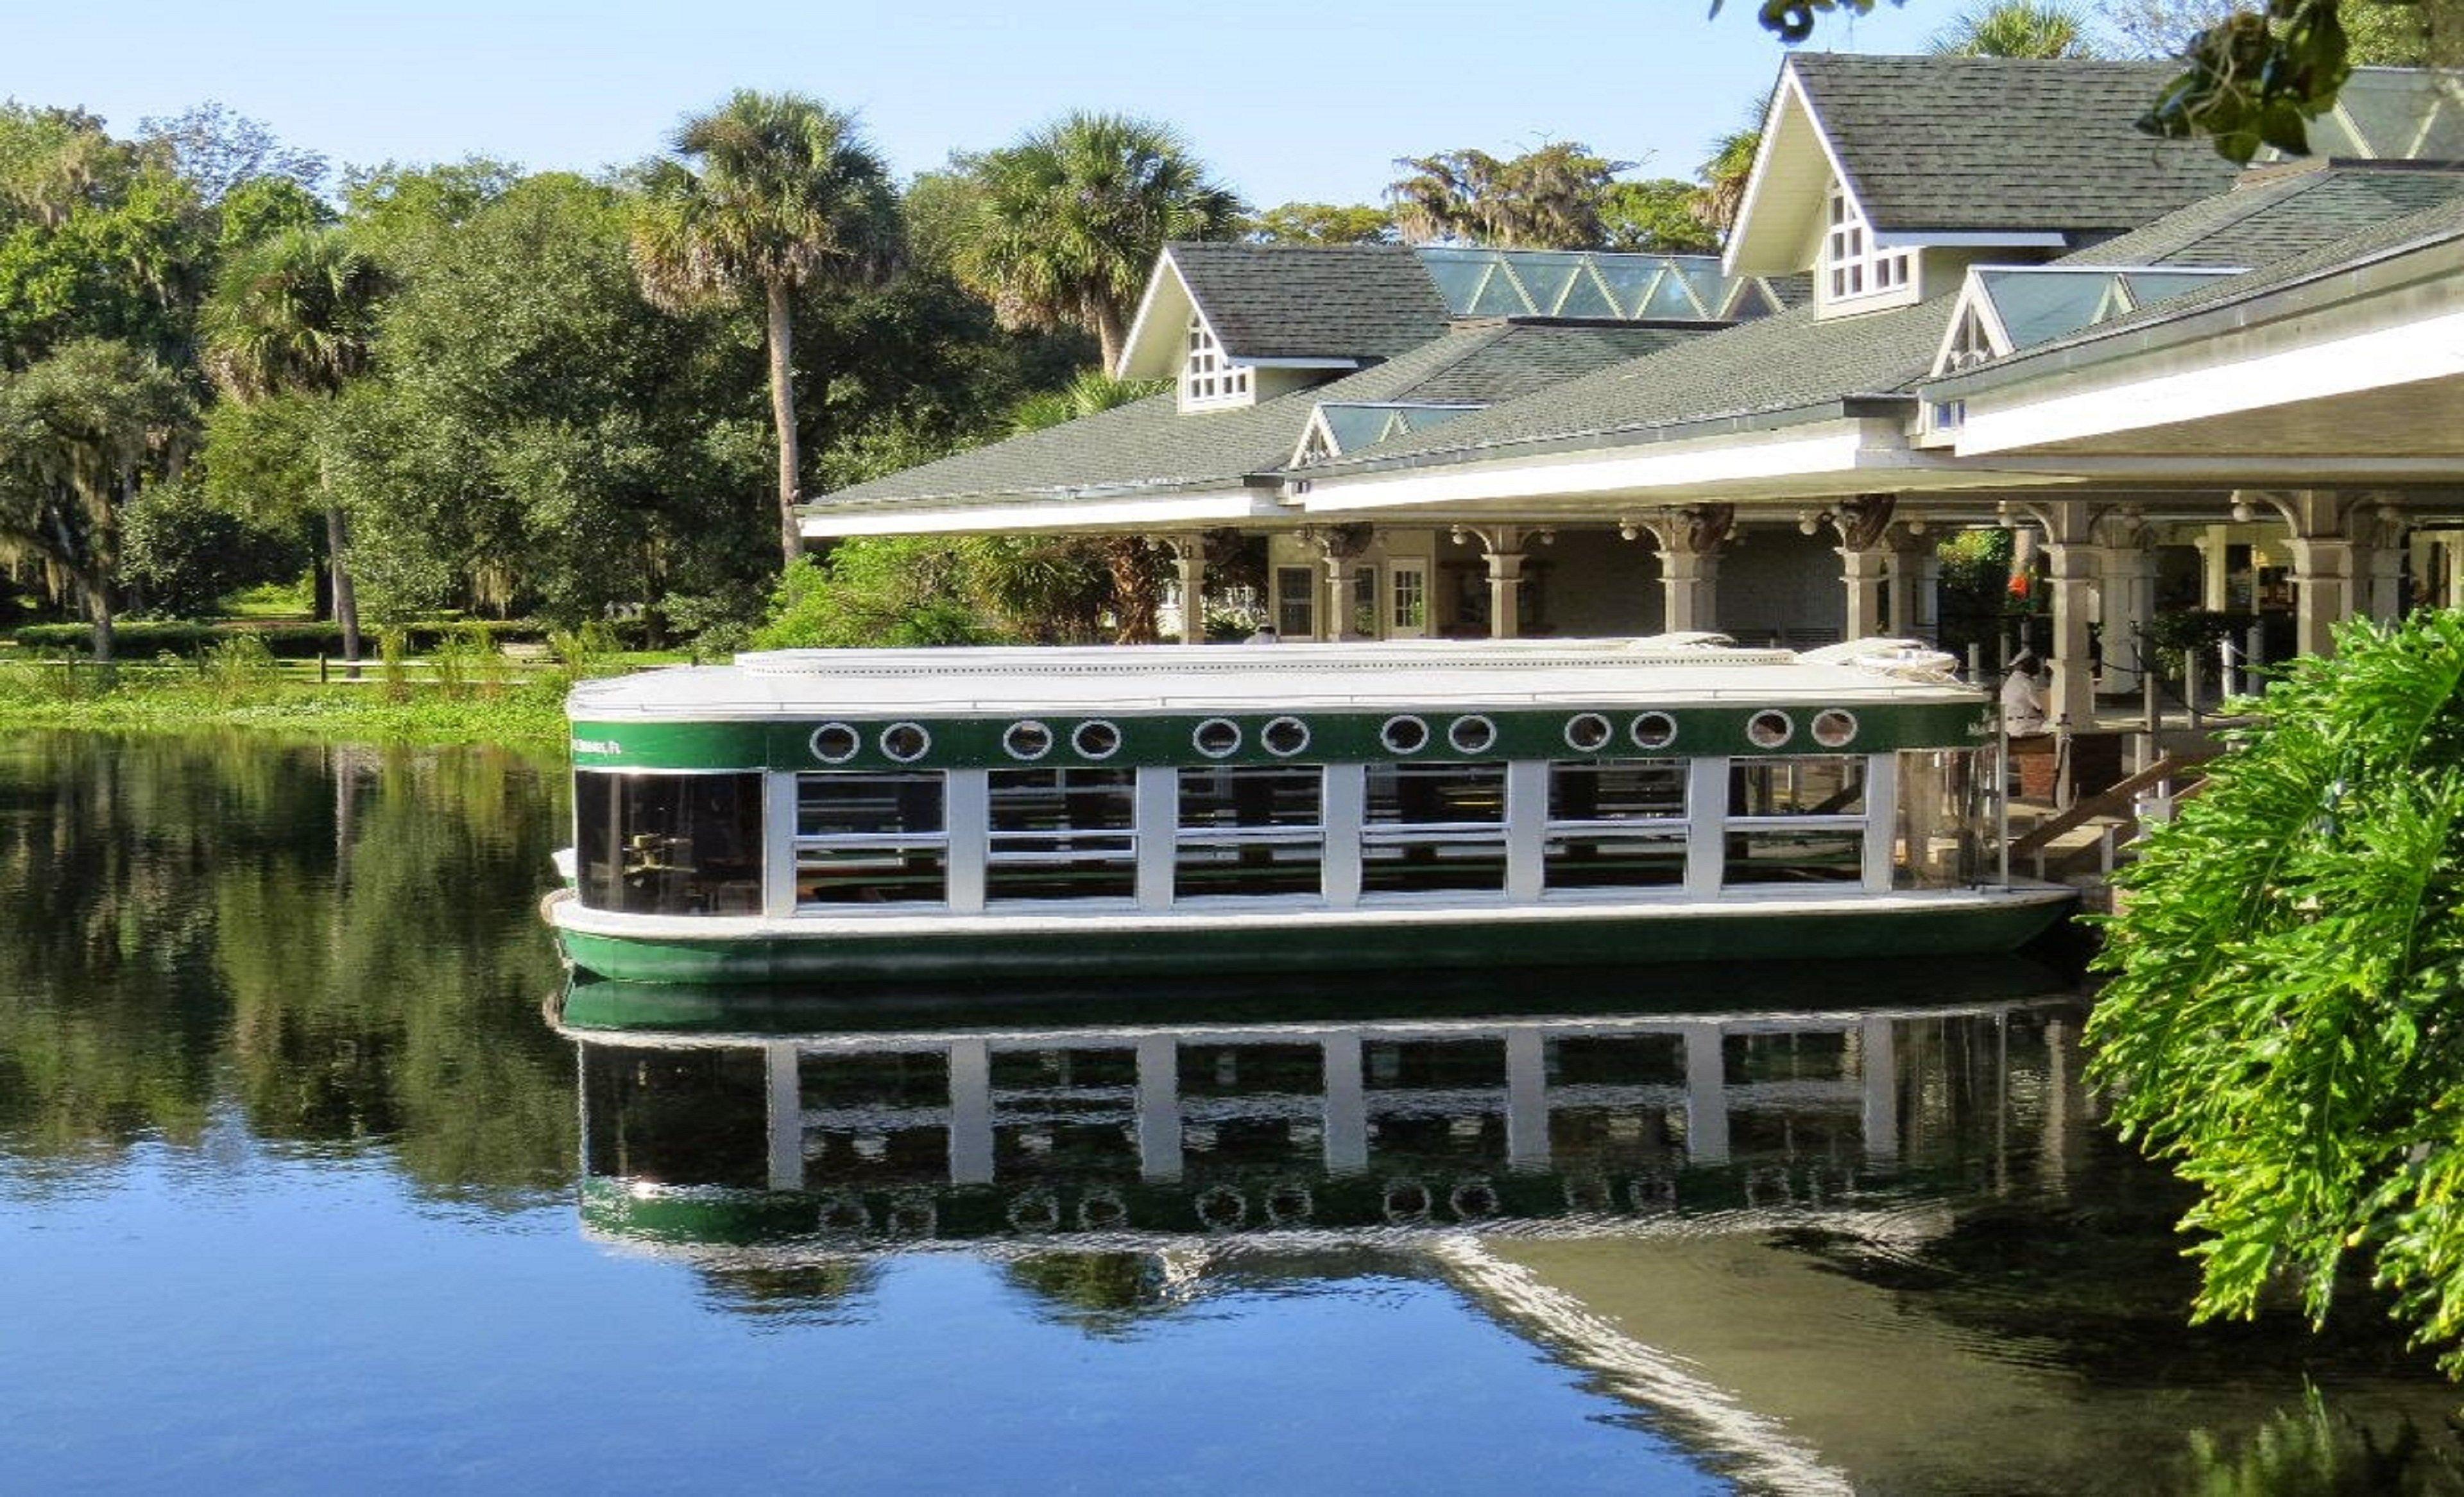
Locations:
(1470, 942)
(1335, 738)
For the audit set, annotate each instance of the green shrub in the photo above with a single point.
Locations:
(239, 667)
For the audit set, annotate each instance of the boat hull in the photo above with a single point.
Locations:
(1956, 923)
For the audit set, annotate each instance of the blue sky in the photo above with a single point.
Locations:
(1286, 99)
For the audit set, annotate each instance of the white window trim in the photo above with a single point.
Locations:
(1209, 379)
(1852, 269)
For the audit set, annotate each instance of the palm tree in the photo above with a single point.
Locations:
(1724, 175)
(773, 192)
(293, 316)
(1070, 220)
(2015, 28)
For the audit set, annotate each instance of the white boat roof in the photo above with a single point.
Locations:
(1666, 669)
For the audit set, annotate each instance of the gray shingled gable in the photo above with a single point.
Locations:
(1978, 144)
(1151, 445)
(1312, 302)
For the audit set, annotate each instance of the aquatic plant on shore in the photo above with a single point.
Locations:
(243, 689)
(2285, 1018)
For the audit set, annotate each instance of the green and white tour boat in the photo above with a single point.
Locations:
(863, 816)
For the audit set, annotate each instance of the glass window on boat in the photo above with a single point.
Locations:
(1796, 821)
(1941, 835)
(1434, 827)
(1617, 824)
(864, 837)
(1063, 834)
(1249, 830)
(668, 843)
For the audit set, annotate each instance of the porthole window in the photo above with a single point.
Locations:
(905, 741)
(1217, 738)
(1471, 734)
(1834, 728)
(1404, 734)
(835, 743)
(1653, 730)
(1096, 740)
(1285, 736)
(1027, 740)
(1769, 729)
(1588, 732)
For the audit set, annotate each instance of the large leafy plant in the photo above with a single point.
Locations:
(2284, 1019)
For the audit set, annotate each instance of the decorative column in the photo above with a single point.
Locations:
(2215, 569)
(1706, 1094)
(1915, 584)
(1189, 561)
(1865, 561)
(1158, 1094)
(1687, 541)
(2326, 558)
(1338, 546)
(786, 1110)
(1502, 547)
(2389, 542)
(2125, 596)
(2070, 572)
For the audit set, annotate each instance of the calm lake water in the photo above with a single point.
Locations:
(313, 1179)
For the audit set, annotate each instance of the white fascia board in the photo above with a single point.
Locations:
(1317, 427)
(1282, 364)
(1789, 90)
(1216, 508)
(1953, 238)
(1973, 298)
(2217, 383)
(1166, 274)
(1822, 448)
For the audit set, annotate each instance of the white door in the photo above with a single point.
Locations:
(1407, 600)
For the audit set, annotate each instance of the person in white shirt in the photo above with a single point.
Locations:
(2023, 705)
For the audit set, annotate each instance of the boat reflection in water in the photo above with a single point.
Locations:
(1846, 1231)
(1369, 1115)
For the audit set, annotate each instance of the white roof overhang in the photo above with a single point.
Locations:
(2358, 369)
(1057, 512)
(1794, 170)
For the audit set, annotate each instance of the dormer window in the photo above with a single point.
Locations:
(1207, 378)
(1851, 266)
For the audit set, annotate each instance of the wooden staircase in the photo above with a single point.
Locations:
(2092, 834)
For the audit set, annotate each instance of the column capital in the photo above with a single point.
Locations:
(1337, 544)
(1684, 529)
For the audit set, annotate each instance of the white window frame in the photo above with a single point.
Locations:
(1185, 837)
(782, 824)
(1677, 825)
(1109, 845)
(1209, 379)
(1853, 269)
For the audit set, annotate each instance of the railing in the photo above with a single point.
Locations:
(2120, 802)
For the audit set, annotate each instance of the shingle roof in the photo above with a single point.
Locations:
(2282, 212)
(1151, 445)
(1788, 361)
(1296, 301)
(2443, 221)
(1956, 143)
(1797, 362)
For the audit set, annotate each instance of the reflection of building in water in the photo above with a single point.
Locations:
(838, 1143)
